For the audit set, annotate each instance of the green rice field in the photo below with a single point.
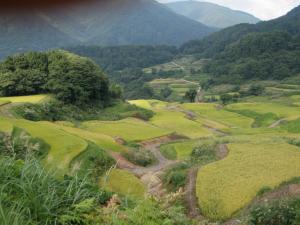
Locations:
(123, 182)
(128, 129)
(24, 99)
(227, 186)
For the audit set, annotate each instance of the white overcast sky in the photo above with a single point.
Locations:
(263, 9)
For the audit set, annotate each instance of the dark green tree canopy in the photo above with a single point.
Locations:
(70, 78)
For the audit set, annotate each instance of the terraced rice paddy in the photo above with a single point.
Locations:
(103, 141)
(180, 150)
(186, 64)
(259, 157)
(5, 125)
(128, 129)
(282, 111)
(124, 182)
(150, 104)
(3, 102)
(211, 112)
(176, 122)
(226, 186)
(24, 99)
(178, 86)
(63, 146)
(296, 100)
(169, 117)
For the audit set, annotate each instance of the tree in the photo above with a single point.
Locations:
(116, 91)
(70, 78)
(191, 95)
(229, 98)
(166, 92)
(256, 89)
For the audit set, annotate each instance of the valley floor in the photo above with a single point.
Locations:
(228, 155)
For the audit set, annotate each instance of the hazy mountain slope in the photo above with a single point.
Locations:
(123, 22)
(210, 14)
(217, 42)
(117, 22)
(267, 51)
(29, 32)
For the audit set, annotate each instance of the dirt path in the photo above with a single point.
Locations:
(188, 114)
(5, 110)
(190, 194)
(222, 151)
(162, 164)
(276, 123)
(176, 64)
(121, 161)
(288, 191)
(150, 176)
(190, 188)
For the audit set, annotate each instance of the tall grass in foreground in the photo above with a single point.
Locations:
(30, 195)
(12, 216)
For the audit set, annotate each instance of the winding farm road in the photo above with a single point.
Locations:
(162, 164)
(190, 188)
(150, 176)
(5, 109)
(277, 123)
(190, 194)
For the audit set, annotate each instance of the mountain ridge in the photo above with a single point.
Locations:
(217, 42)
(119, 22)
(211, 14)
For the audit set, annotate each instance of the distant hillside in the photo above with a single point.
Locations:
(217, 42)
(29, 32)
(210, 14)
(117, 22)
(266, 51)
(118, 58)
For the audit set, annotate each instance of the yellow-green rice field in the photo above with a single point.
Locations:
(122, 181)
(212, 112)
(129, 129)
(281, 110)
(226, 186)
(23, 99)
(63, 145)
(103, 141)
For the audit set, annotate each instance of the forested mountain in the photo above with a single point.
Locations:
(263, 56)
(70, 78)
(117, 22)
(121, 57)
(268, 50)
(23, 32)
(210, 14)
(217, 42)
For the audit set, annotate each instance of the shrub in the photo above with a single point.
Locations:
(140, 157)
(70, 78)
(294, 141)
(256, 90)
(264, 190)
(93, 162)
(280, 212)
(204, 153)
(292, 126)
(19, 144)
(176, 177)
(168, 151)
(228, 98)
(55, 110)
